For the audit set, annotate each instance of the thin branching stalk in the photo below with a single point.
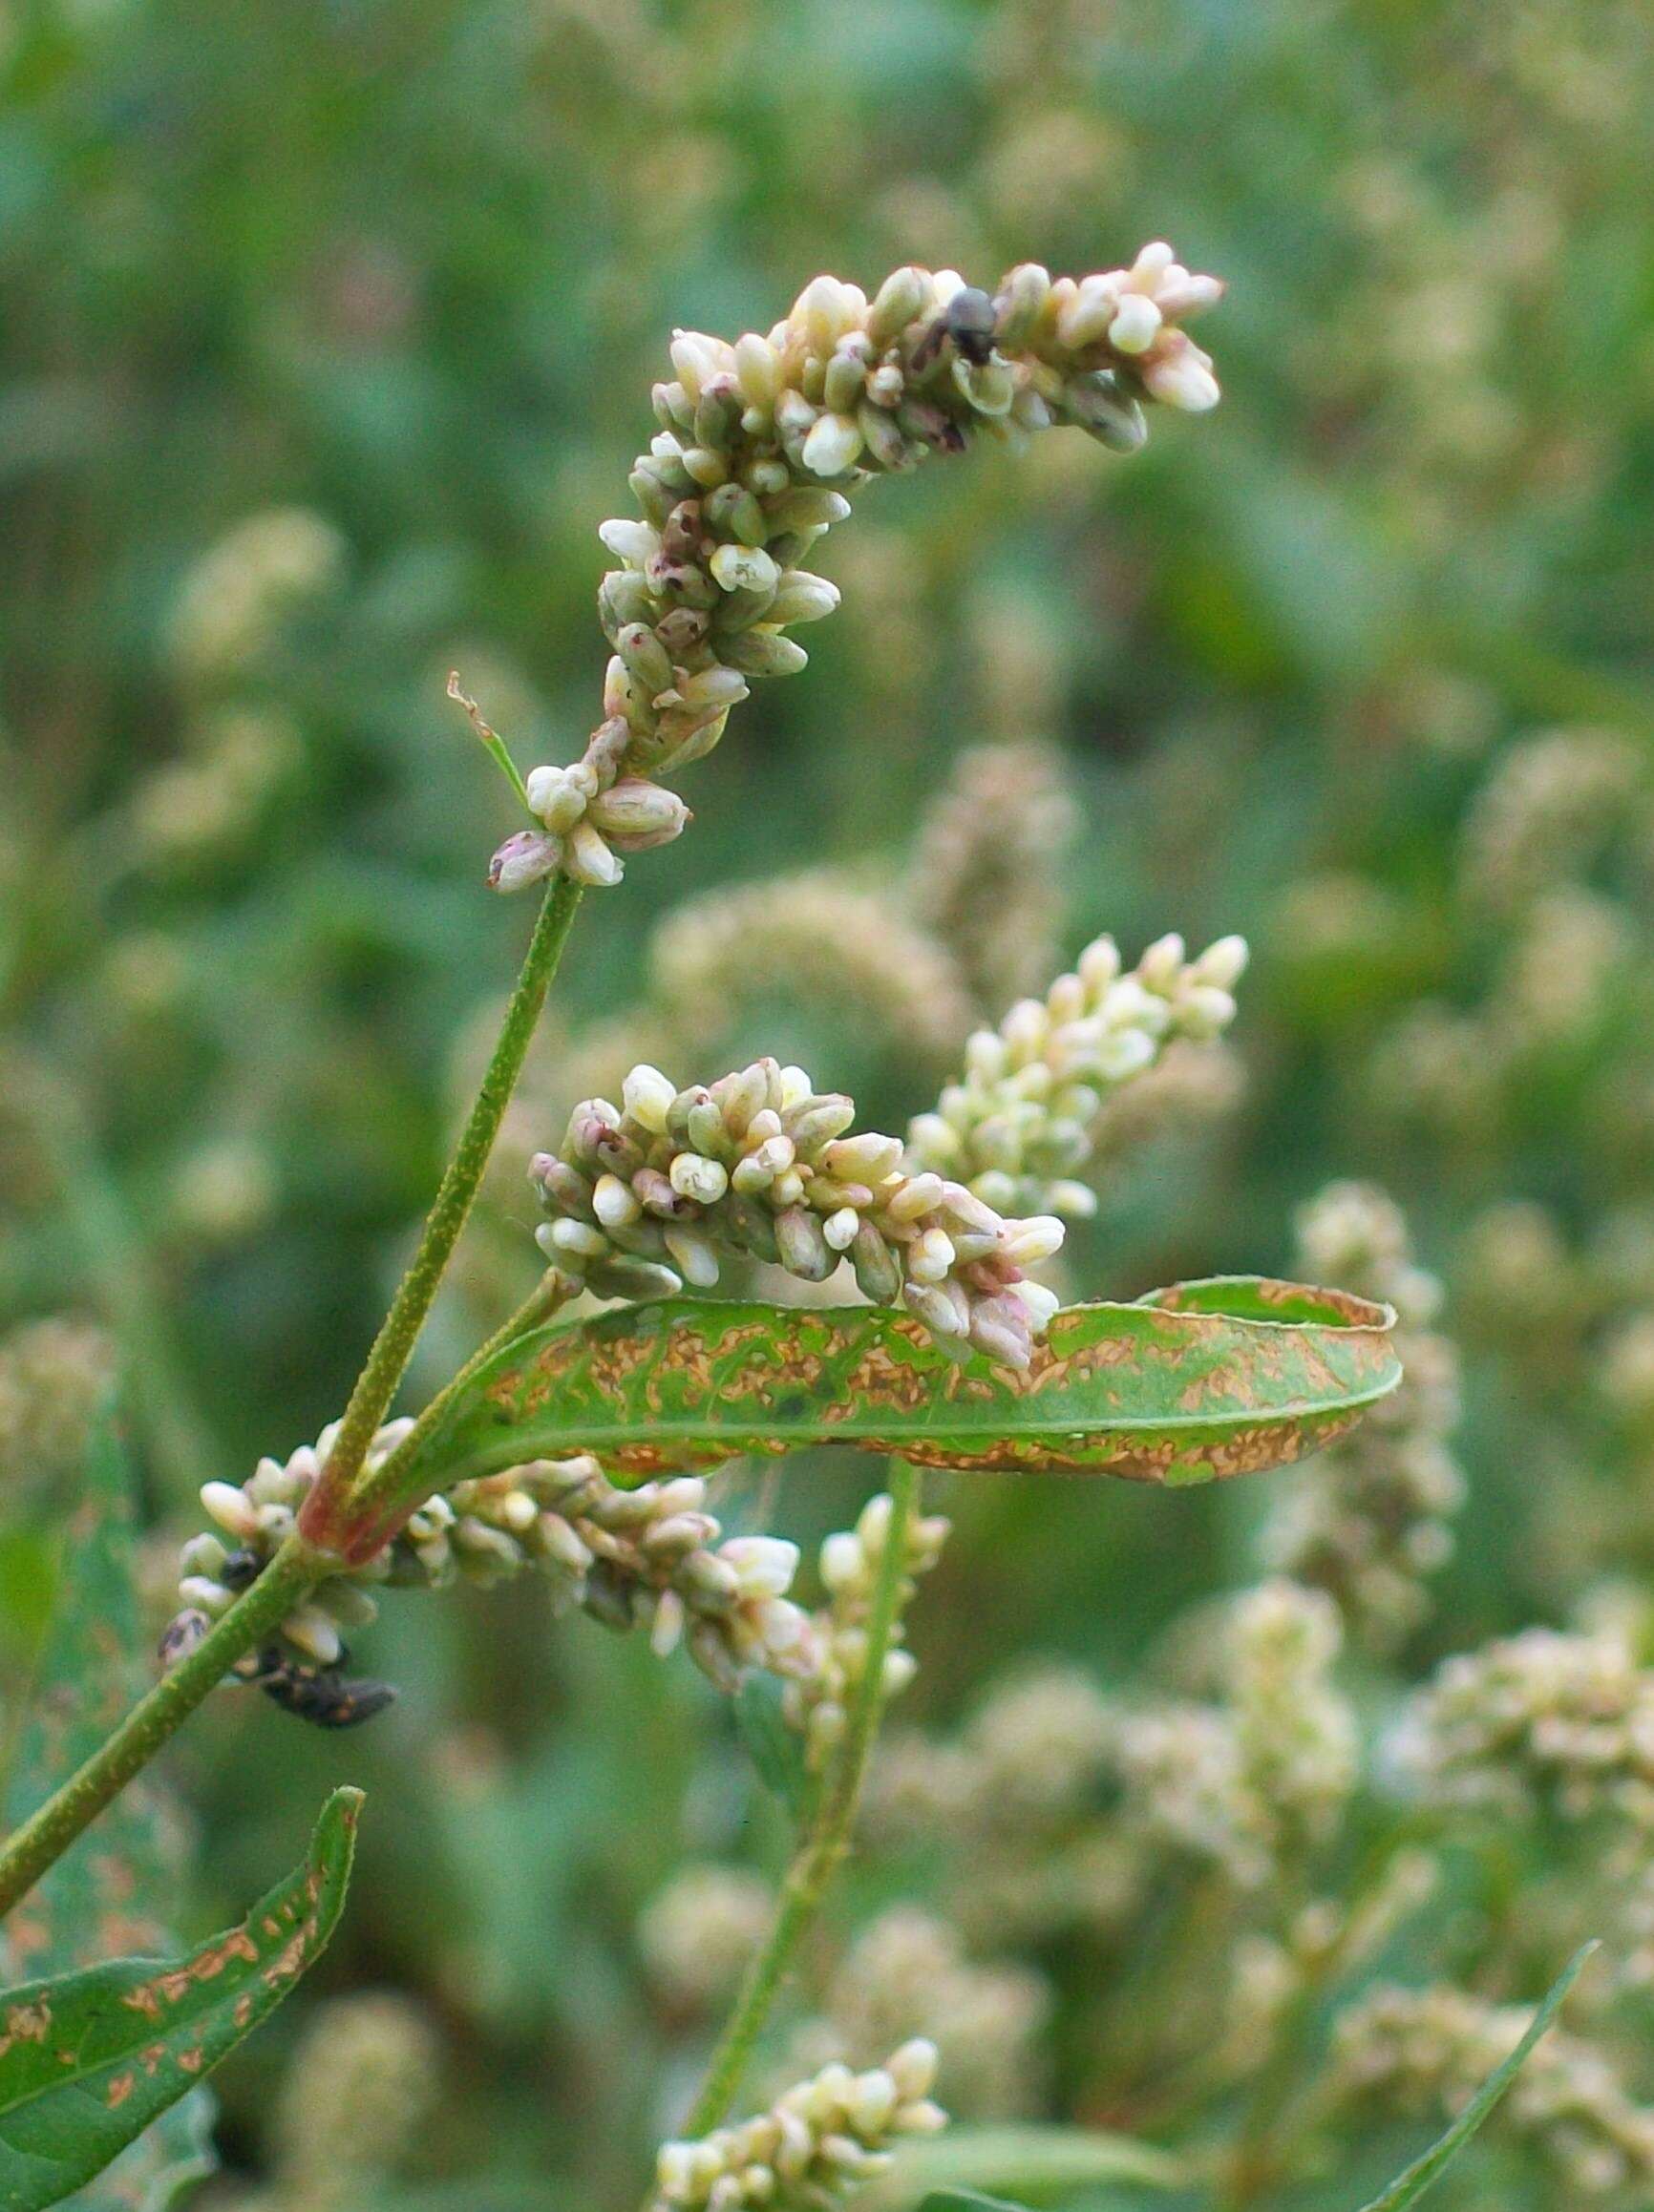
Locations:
(309, 1557)
(328, 1508)
(256, 1614)
(827, 1837)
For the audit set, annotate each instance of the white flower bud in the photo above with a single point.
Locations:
(698, 359)
(641, 813)
(576, 1239)
(694, 1255)
(1037, 1238)
(744, 568)
(839, 1229)
(764, 652)
(913, 2069)
(900, 300)
(590, 858)
(665, 1631)
(629, 541)
(802, 597)
(871, 2102)
(1181, 377)
(930, 1257)
(1205, 1012)
(824, 311)
(647, 1096)
(1162, 964)
(764, 1566)
(615, 1203)
(842, 1562)
(758, 369)
(833, 446)
(692, 1176)
(1123, 1053)
(1223, 963)
(315, 1634)
(1135, 326)
(231, 1509)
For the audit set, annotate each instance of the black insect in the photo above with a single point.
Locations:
(323, 1696)
(966, 322)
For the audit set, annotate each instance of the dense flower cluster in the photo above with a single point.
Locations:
(1540, 1719)
(652, 1557)
(233, 599)
(909, 1973)
(986, 875)
(364, 2078)
(760, 441)
(1550, 802)
(659, 1188)
(817, 2141)
(697, 1935)
(1373, 1517)
(1253, 1780)
(1428, 2050)
(53, 1375)
(1023, 1119)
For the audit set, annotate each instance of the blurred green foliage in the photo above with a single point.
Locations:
(326, 339)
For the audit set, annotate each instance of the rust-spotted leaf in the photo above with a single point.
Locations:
(112, 1892)
(1189, 1385)
(89, 2059)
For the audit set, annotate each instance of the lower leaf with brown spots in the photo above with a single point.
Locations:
(89, 2059)
(112, 1893)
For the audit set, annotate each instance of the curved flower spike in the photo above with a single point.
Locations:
(761, 444)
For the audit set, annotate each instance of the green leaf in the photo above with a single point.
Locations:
(1207, 1379)
(1408, 2187)
(966, 2200)
(89, 2059)
(969, 2167)
(110, 1893)
(775, 1750)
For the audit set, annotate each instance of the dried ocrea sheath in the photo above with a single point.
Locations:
(1021, 1122)
(657, 1190)
(760, 443)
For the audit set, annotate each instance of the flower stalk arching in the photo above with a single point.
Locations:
(759, 446)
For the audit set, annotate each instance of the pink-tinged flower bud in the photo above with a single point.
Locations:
(635, 814)
(527, 857)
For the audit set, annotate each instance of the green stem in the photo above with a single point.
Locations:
(383, 1500)
(315, 1552)
(48, 1833)
(326, 1517)
(828, 1837)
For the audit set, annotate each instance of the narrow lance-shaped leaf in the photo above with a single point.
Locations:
(969, 2168)
(1205, 1381)
(1408, 2188)
(111, 1892)
(90, 2059)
